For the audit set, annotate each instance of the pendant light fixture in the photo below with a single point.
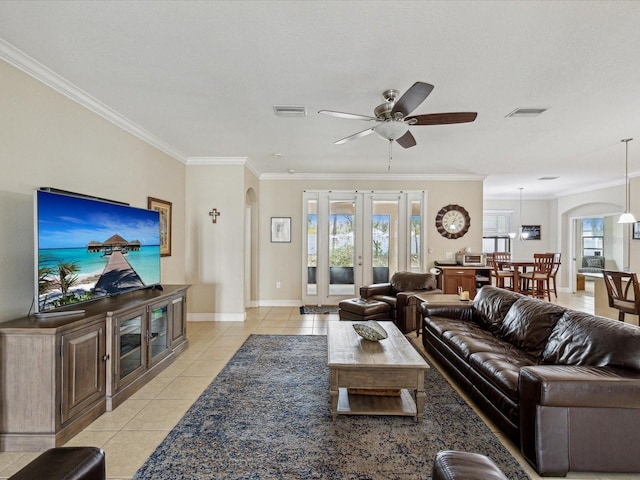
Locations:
(626, 217)
(521, 234)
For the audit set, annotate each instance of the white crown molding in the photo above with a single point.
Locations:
(252, 168)
(216, 161)
(575, 191)
(33, 68)
(373, 176)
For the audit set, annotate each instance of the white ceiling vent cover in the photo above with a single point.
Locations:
(290, 111)
(526, 112)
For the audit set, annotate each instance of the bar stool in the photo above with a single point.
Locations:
(499, 272)
(554, 272)
(540, 276)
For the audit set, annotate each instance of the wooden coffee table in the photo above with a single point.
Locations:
(391, 364)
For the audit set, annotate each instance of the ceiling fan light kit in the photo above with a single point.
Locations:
(392, 116)
(391, 130)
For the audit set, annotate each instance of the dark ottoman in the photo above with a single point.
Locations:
(358, 309)
(452, 465)
(65, 463)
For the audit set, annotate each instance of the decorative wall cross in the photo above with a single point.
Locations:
(214, 215)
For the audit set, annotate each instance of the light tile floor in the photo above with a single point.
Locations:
(131, 432)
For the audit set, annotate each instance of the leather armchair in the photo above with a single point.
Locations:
(398, 293)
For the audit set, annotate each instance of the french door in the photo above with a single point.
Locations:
(356, 238)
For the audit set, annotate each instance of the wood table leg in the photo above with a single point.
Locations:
(421, 397)
(333, 394)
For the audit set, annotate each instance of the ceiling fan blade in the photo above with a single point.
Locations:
(412, 98)
(407, 140)
(442, 118)
(351, 116)
(363, 133)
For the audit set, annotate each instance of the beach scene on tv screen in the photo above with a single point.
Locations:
(88, 249)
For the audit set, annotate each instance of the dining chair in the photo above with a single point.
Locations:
(554, 272)
(536, 282)
(503, 276)
(623, 292)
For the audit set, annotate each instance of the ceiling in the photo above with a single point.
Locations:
(200, 79)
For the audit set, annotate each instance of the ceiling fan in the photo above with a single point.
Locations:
(392, 120)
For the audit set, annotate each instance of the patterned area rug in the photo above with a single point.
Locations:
(266, 415)
(309, 309)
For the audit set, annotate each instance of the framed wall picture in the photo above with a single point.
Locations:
(532, 231)
(280, 229)
(164, 208)
(636, 231)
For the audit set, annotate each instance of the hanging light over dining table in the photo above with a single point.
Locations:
(626, 217)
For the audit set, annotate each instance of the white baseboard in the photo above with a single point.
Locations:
(280, 303)
(216, 317)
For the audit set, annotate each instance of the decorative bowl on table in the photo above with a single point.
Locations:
(370, 330)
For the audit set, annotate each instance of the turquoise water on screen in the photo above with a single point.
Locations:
(146, 261)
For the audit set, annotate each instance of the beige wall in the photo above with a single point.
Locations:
(534, 212)
(252, 239)
(48, 140)
(602, 202)
(215, 251)
(283, 198)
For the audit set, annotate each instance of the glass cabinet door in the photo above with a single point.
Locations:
(130, 345)
(158, 331)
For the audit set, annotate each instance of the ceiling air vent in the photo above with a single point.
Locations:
(548, 178)
(526, 112)
(290, 111)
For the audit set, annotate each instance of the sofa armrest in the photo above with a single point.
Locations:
(563, 408)
(462, 312)
(368, 291)
(579, 386)
(409, 298)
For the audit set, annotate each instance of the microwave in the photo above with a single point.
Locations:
(471, 259)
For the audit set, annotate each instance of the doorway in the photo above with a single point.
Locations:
(358, 238)
(598, 241)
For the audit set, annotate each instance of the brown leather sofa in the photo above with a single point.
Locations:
(398, 294)
(562, 385)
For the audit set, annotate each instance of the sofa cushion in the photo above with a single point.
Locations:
(386, 299)
(405, 281)
(466, 343)
(492, 304)
(528, 324)
(502, 368)
(593, 261)
(583, 339)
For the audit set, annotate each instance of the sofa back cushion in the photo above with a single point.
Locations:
(491, 304)
(583, 339)
(528, 324)
(407, 281)
(593, 261)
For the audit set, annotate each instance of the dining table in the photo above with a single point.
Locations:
(518, 266)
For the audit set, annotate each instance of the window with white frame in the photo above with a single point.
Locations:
(496, 228)
(592, 236)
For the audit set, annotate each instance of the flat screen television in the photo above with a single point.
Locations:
(87, 248)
